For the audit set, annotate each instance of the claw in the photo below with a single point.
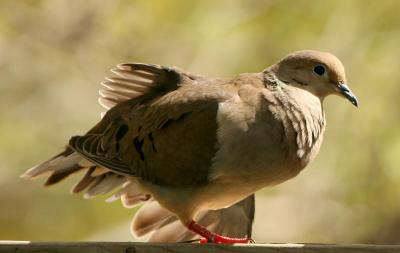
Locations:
(210, 237)
(226, 240)
(203, 241)
(229, 240)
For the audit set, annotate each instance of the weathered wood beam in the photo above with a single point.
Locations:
(135, 247)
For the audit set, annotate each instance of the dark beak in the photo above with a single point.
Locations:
(345, 90)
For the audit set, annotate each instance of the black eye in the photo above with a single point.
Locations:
(319, 70)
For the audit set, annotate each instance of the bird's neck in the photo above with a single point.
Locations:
(302, 115)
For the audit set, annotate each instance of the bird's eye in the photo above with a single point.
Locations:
(319, 70)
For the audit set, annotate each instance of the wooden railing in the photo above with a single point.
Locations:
(135, 247)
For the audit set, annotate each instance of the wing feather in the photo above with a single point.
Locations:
(148, 132)
(136, 79)
(152, 124)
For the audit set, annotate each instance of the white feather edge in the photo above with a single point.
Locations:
(128, 84)
(107, 184)
(52, 165)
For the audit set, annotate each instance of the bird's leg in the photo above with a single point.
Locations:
(211, 237)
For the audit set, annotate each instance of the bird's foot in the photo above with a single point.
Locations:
(210, 237)
(219, 239)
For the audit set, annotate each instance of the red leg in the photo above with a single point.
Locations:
(213, 237)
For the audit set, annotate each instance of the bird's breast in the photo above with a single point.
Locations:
(265, 144)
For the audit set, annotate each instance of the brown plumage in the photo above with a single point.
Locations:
(192, 147)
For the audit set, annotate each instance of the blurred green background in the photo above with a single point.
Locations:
(54, 53)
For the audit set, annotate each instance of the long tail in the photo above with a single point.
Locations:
(96, 180)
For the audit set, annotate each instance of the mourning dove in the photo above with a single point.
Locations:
(193, 148)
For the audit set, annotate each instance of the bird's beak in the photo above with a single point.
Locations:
(346, 92)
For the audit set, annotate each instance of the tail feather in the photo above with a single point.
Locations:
(100, 171)
(105, 183)
(85, 181)
(159, 225)
(97, 180)
(61, 174)
(172, 232)
(117, 195)
(149, 217)
(130, 194)
(151, 221)
(63, 160)
(133, 201)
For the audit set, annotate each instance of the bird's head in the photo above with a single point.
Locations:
(321, 73)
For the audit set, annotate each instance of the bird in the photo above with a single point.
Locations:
(192, 150)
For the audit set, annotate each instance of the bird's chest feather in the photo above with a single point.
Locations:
(303, 120)
(266, 141)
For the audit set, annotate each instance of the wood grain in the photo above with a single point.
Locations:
(135, 247)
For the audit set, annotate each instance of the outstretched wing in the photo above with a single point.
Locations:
(161, 126)
(131, 82)
(134, 80)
